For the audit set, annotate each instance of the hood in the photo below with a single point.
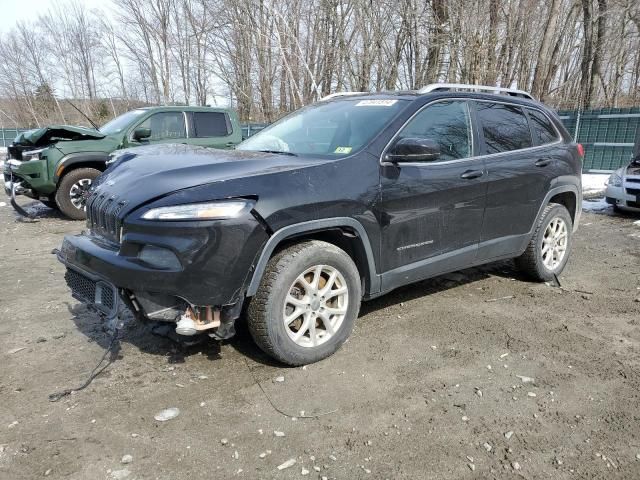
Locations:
(47, 135)
(141, 174)
(633, 169)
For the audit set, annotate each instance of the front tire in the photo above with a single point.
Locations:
(307, 303)
(73, 190)
(50, 202)
(549, 248)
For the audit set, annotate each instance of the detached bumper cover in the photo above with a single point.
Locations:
(13, 187)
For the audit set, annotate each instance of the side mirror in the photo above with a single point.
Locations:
(414, 150)
(141, 133)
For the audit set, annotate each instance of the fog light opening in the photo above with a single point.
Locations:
(159, 257)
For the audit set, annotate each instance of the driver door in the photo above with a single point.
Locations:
(432, 210)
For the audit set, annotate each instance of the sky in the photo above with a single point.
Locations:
(12, 11)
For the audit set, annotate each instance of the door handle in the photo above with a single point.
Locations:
(470, 174)
(543, 162)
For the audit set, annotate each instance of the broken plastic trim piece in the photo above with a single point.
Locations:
(189, 323)
(14, 191)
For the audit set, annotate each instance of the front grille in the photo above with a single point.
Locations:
(633, 191)
(103, 212)
(633, 204)
(95, 293)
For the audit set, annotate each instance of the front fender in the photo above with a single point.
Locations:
(77, 158)
(373, 279)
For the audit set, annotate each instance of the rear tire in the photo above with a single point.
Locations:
(72, 192)
(550, 246)
(306, 304)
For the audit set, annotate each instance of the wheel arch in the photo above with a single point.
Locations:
(344, 232)
(568, 196)
(74, 161)
(567, 199)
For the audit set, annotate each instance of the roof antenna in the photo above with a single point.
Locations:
(83, 114)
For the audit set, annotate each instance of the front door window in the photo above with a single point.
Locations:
(165, 126)
(446, 123)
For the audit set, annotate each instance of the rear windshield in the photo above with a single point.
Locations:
(334, 129)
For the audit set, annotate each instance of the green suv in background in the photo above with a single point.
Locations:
(58, 164)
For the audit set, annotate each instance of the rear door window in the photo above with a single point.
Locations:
(505, 127)
(210, 124)
(542, 127)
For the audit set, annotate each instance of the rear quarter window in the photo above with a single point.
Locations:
(543, 131)
(211, 124)
(504, 127)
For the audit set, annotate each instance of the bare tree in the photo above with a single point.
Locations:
(267, 57)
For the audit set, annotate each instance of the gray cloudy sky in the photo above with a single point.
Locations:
(12, 11)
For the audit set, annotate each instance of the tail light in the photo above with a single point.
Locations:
(580, 150)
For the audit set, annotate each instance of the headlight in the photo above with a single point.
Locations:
(32, 155)
(199, 211)
(615, 180)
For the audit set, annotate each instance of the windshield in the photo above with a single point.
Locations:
(335, 129)
(118, 124)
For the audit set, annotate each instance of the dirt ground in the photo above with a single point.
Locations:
(427, 386)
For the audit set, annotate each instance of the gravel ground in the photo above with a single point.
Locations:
(478, 374)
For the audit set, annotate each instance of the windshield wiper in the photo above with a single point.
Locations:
(291, 154)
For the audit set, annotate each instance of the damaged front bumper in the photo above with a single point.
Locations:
(98, 294)
(15, 185)
(101, 277)
(13, 188)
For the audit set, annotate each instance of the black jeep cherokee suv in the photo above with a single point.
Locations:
(338, 202)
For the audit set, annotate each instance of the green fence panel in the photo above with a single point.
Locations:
(607, 135)
(249, 129)
(7, 135)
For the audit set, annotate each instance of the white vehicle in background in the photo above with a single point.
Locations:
(623, 187)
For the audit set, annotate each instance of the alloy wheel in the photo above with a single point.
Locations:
(554, 243)
(79, 193)
(315, 306)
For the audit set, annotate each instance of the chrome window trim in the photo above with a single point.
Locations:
(384, 162)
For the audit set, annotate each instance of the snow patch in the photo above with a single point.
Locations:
(598, 205)
(594, 184)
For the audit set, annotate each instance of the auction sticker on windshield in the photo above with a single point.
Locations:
(375, 103)
(343, 150)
